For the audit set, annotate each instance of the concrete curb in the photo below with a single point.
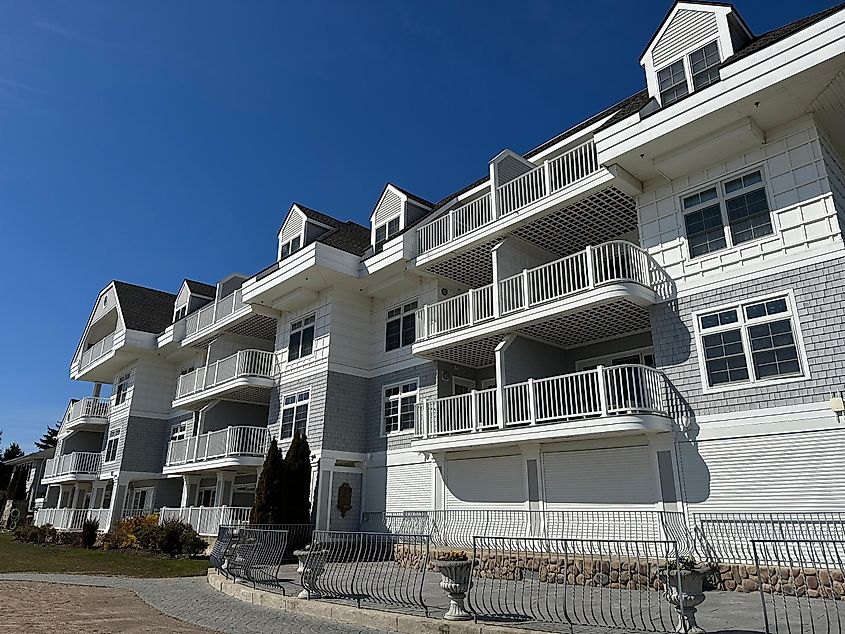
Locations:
(350, 615)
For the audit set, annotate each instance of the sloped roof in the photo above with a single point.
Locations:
(776, 35)
(200, 288)
(350, 237)
(319, 216)
(36, 455)
(417, 199)
(144, 309)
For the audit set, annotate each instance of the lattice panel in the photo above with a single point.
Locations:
(259, 326)
(602, 322)
(603, 216)
(473, 268)
(473, 354)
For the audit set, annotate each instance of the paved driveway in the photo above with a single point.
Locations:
(111, 605)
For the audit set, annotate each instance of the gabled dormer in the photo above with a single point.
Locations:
(301, 227)
(192, 296)
(685, 53)
(396, 209)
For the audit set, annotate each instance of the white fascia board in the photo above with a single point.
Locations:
(398, 250)
(392, 188)
(743, 78)
(571, 139)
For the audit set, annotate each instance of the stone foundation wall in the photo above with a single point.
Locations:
(612, 573)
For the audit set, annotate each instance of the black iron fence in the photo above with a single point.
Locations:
(382, 568)
(727, 537)
(602, 583)
(257, 555)
(801, 584)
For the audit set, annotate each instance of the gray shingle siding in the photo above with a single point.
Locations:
(819, 290)
(145, 444)
(345, 411)
(316, 383)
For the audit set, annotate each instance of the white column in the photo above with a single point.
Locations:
(224, 487)
(187, 483)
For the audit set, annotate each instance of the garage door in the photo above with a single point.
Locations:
(596, 478)
(399, 488)
(488, 483)
(785, 472)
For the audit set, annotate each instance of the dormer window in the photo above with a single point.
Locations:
(386, 231)
(673, 83)
(704, 66)
(289, 247)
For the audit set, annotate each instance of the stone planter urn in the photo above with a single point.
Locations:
(454, 580)
(688, 596)
(312, 563)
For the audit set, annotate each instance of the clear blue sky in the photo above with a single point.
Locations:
(151, 141)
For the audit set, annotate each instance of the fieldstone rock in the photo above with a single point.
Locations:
(749, 585)
(730, 585)
(601, 578)
(812, 582)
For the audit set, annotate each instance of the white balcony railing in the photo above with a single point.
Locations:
(244, 363)
(547, 178)
(99, 349)
(89, 407)
(601, 392)
(76, 463)
(214, 312)
(206, 519)
(229, 442)
(610, 262)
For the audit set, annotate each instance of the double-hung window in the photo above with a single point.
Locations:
(401, 326)
(301, 342)
(111, 446)
(727, 214)
(750, 342)
(290, 247)
(385, 232)
(179, 431)
(294, 413)
(399, 401)
(698, 69)
(121, 388)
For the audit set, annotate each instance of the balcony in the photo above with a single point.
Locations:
(542, 182)
(233, 446)
(245, 376)
(79, 465)
(228, 313)
(87, 414)
(622, 399)
(96, 351)
(615, 278)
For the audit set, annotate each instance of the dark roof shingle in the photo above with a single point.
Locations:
(319, 216)
(200, 288)
(350, 237)
(144, 309)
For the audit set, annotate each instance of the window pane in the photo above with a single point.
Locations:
(700, 197)
(393, 336)
(301, 417)
(409, 329)
(773, 349)
(705, 232)
(724, 357)
(393, 227)
(407, 412)
(287, 423)
(704, 65)
(307, 341)
(293, 345)
(673, 83)
(381, 233)
(748, 216)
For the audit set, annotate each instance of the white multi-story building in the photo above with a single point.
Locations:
(642, 313)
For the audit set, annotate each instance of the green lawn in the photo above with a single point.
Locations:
(20, 557)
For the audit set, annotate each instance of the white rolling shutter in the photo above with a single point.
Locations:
(399, 488)
(485, 483)
(599, 478)
(785, 472)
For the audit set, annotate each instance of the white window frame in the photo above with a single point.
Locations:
(114, 435)
(404, 312)
(294, 406)
(460, 380)
(124, 379)
(721, 198)
(148, 501)
(201, 490)
(398, 397)
(179, 431)
(289, 244)
(388, 236)
(687, 69)
(299, 325)
(742, 324)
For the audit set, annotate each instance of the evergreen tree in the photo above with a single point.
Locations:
(296, 493)
(18, 489)
(265, 509)
(12, 451)
(49, 439)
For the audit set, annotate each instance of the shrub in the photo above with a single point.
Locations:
(37, 534)
(89, 533)
(178, 538)
(126, 533)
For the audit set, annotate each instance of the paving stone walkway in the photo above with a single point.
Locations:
(194, 601)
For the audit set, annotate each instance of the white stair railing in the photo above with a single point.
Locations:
(547, 178)
(611, 262)
(600, 392)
